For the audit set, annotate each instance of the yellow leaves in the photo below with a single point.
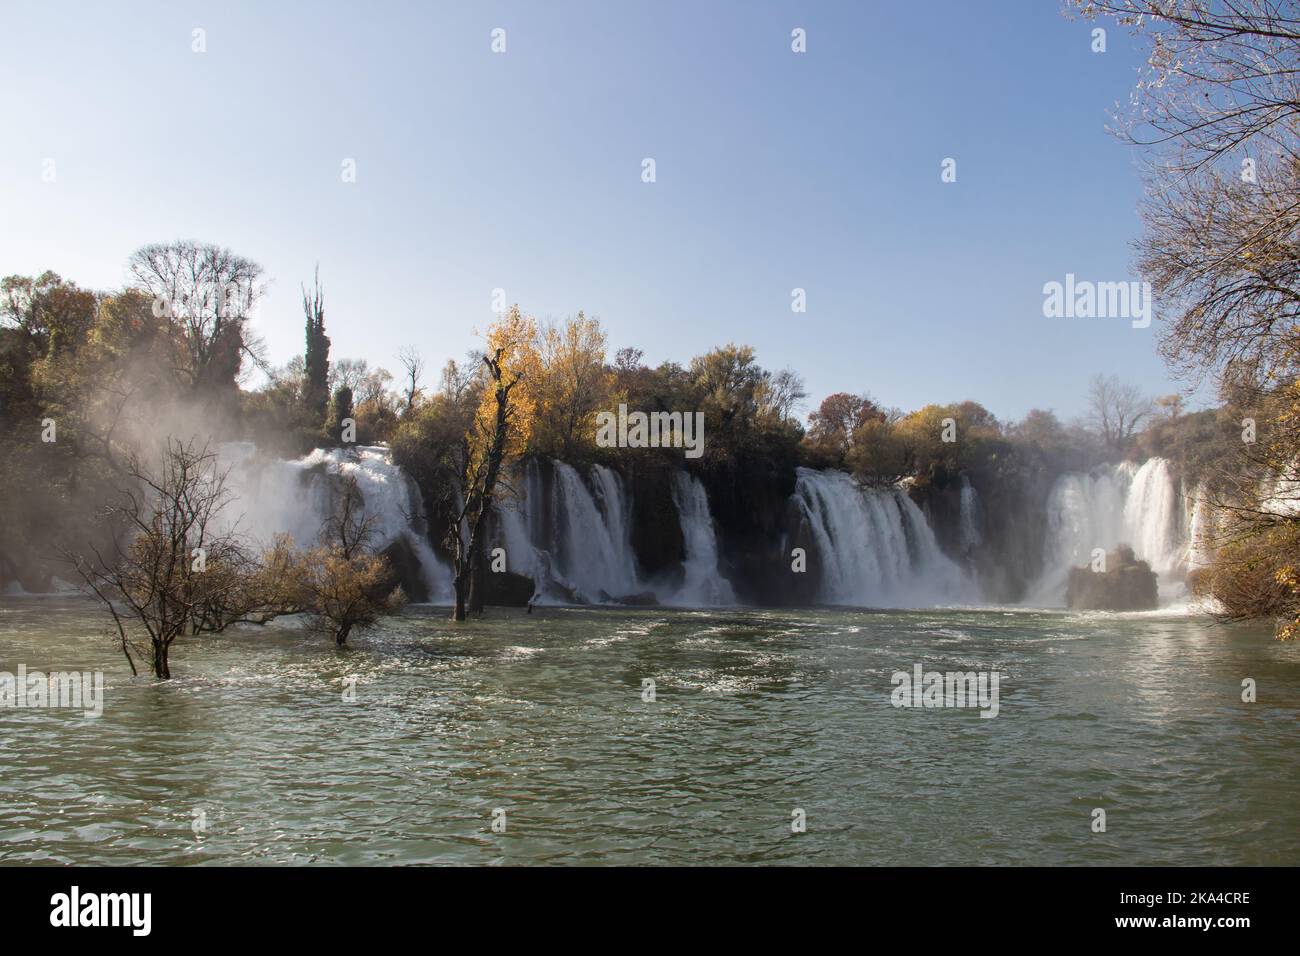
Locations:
(511, 341)
(564, 382)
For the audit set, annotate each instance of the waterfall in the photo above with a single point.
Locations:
(1153, 517)
(1140, 506)
(574, 539)
(873, 546)
(277, 496)
(575, 543)
(971, 537)
(703, 585)
(591, 535)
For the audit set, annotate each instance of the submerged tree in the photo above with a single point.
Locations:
(348, 586)
(483, 448)
(175, 565)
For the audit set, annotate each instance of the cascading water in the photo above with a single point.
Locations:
(971, 536)
(1112, 505)
(575, 540)
(275, 496)
(575, 543)
(873, 545)
(1153, 516)
(590, 533)
(703, 585)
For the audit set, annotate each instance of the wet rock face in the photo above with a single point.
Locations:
(801, 587)
(750, 504)
(1127, 584)
(507, 589)
(406, 566)
(656, 529)
(32, 574)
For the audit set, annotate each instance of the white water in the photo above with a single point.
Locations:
(873, 546)
(577, 543)
(1140, 506)
(703, 585)
(278, 496)
(971, 537)
(591, 535)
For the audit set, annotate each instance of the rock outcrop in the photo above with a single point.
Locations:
(1126, 584)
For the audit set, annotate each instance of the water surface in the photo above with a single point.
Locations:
(757, 713)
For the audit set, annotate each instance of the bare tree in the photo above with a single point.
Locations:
(456, 380)
(413, 364)
(1219, 76)
(1218, 115)
(785, 392)
(1116, 409)
(207, 293)
(173, 565)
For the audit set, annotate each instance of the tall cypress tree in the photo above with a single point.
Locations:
(317, 358)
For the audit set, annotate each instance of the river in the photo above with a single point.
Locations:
(760, 718)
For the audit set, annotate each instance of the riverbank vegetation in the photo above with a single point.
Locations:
(1216, 118)
(105, 386)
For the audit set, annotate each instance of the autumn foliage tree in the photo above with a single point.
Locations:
(499, 429)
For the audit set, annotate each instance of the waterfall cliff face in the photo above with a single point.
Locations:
(1141, 506)
(571, 531)
(275, 496)
(873, 546)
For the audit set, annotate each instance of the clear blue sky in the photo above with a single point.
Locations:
(522, 170)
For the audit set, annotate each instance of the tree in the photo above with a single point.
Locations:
(455, 381)
(340, 412)
(1217, 116)
(207, 294)
(316, 362)
(158, 581)
(1116, 409)
(413, 364)
(349, 586)
(836, 421)
(785, 393)
(1040, 427)
(1219, 76)
(1170, 406)
(51, 313)
(568, 385)
(499, 426)
(879, 456)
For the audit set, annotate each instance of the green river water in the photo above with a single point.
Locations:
(757, 714)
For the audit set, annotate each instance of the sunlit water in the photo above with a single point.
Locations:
(757, 713)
